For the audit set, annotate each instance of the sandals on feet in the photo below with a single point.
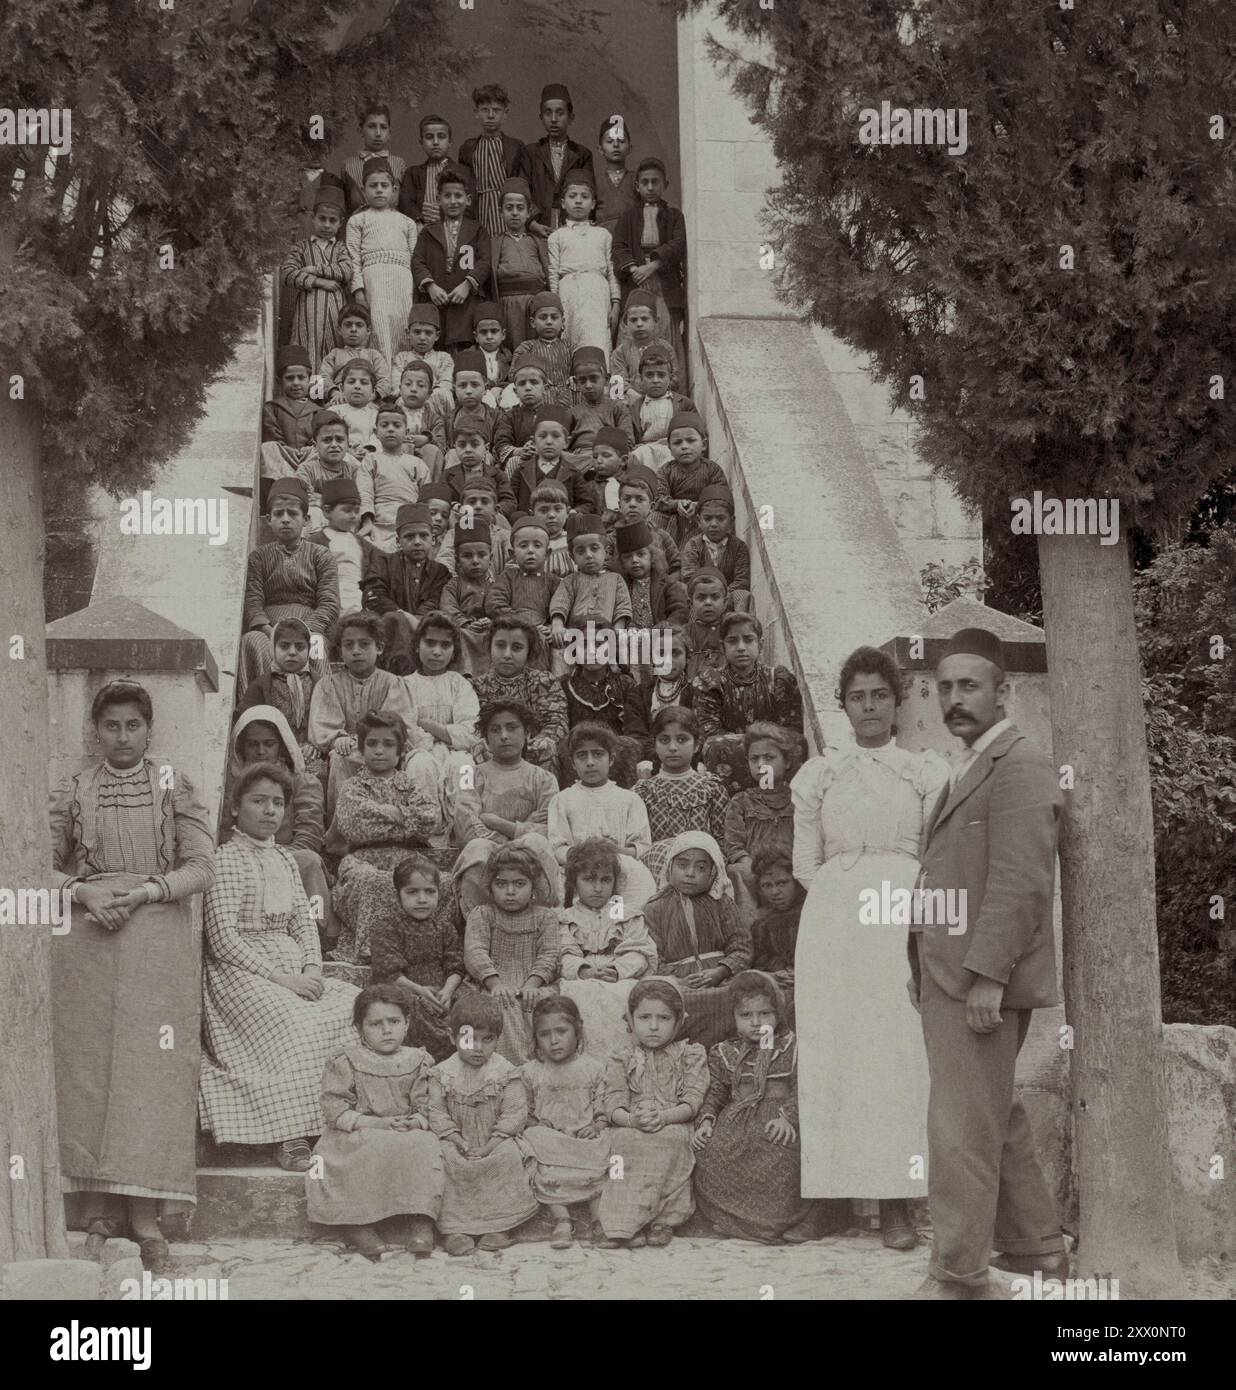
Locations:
(294, 1155)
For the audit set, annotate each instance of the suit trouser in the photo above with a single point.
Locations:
(984, 1184)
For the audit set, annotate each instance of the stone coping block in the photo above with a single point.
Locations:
(58, 1281)
(1025, 646)
(119, 634)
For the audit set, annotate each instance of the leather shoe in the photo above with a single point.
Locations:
(1053, 1266)
(896, 1228)
(931, 1287)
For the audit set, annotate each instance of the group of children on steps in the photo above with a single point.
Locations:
(479, 451)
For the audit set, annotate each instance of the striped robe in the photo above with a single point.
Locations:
(316, 315)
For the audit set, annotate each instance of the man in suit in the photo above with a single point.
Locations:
(992, 834)
(553, 157)
(450, 261)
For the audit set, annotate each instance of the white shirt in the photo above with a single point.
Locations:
(346, 548)
(965, 760)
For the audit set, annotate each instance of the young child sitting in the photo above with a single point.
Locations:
(341, 508)
(597, 692)
(637, 336)
(480, 504)
(506, 802)
(270, 1022)
(418, 189)
(656, 600)
(548, 346)
(377, 1157)
(489, 334)
(469, 462)
(567, 1129)
(394, 471)
(730, 699)
(471, 389)
(513, 434)
(761, 817)
(330, 461)
(700, 937)
(381, 813)
(445, 701)
(438, 498)
(463, 598)
(550, 506)
(775, 933)
(417, 345)
(319, 271)
(288, 685)
(424, 424)
(419, 951)
(511, 948)
(478, 1110)
(605, 943)
(287, 578)
(382, 246)
(357, 406)
(707, 592)
(400, 588)
(549, 462)
(287, 419)
(653, 1091)
(653, 405)
(525, 588)
(679, 797)
(492, 156)
(716, 546)
(354, 688)
(451, 259)
(596, 409)
(592, 594)
(686, 475)
(610, 450)
(749, 1123)
(520, 261)
(639, 489)
(653, 692)
(354, 335)
(516, 672)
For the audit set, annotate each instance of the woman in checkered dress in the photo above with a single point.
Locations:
(270, 1022)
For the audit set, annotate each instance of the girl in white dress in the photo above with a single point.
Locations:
(858, 816)
(446, 704)
(581, 269)
(380, 241)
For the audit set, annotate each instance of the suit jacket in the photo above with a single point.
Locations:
(994, 835)
(514, 156)
(389, 582)
(671, 251)
(412, 190)
(546, 190)
(578, 490)
(429, 263)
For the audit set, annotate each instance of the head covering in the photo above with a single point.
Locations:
(526, 360)
(637, 536)
(411, 514)
(696, 839)
(289, 487)
(686, 419)
(297, 625)
(329, 196)
(336, 490)
(487, 309)
(376, 164)
(475, 534)
(545, 300)
(519, 186)
(357, 364)
(425, 313)
(436, 492)
(586, 526)
(559, 413)
(352, 310)
(706, 572)
(716, 492)
(582, 175)
(615, 123)
(614, 438)
(640, 299)
(527, 523)
(555, 91)
(976, 641)
(637, 473)
(470, 360)
(292, 356)
(588, 356)
(263, 714)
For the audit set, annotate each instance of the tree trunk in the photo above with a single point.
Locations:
(1111, 959)
(31, 1204)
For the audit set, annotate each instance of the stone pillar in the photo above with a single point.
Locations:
(117, 638)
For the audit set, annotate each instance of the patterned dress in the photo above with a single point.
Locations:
(369, 1174)
(281, 582)
(316, 315)
(382, 819)
(482, 1194)
(125, 1106)
(543, 696)
(581, 274)
(750, 1085)
(726, 705)
(678, 801)
(428, 953)
(265, 1048)
(380, 244)
(512, 945)
(563, 1098)
(656, 1168)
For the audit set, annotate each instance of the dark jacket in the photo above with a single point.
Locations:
(579, 491)
(429, 263)
(454, 478)
(637, 713)
(390, 582)
(671, 251)
(540, 245)
(412, 190)
(546, 190)
(514, 156)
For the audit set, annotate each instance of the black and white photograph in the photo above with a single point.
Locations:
(617, 666)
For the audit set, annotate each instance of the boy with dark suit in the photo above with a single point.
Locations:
(553, 157)
(450, 261)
